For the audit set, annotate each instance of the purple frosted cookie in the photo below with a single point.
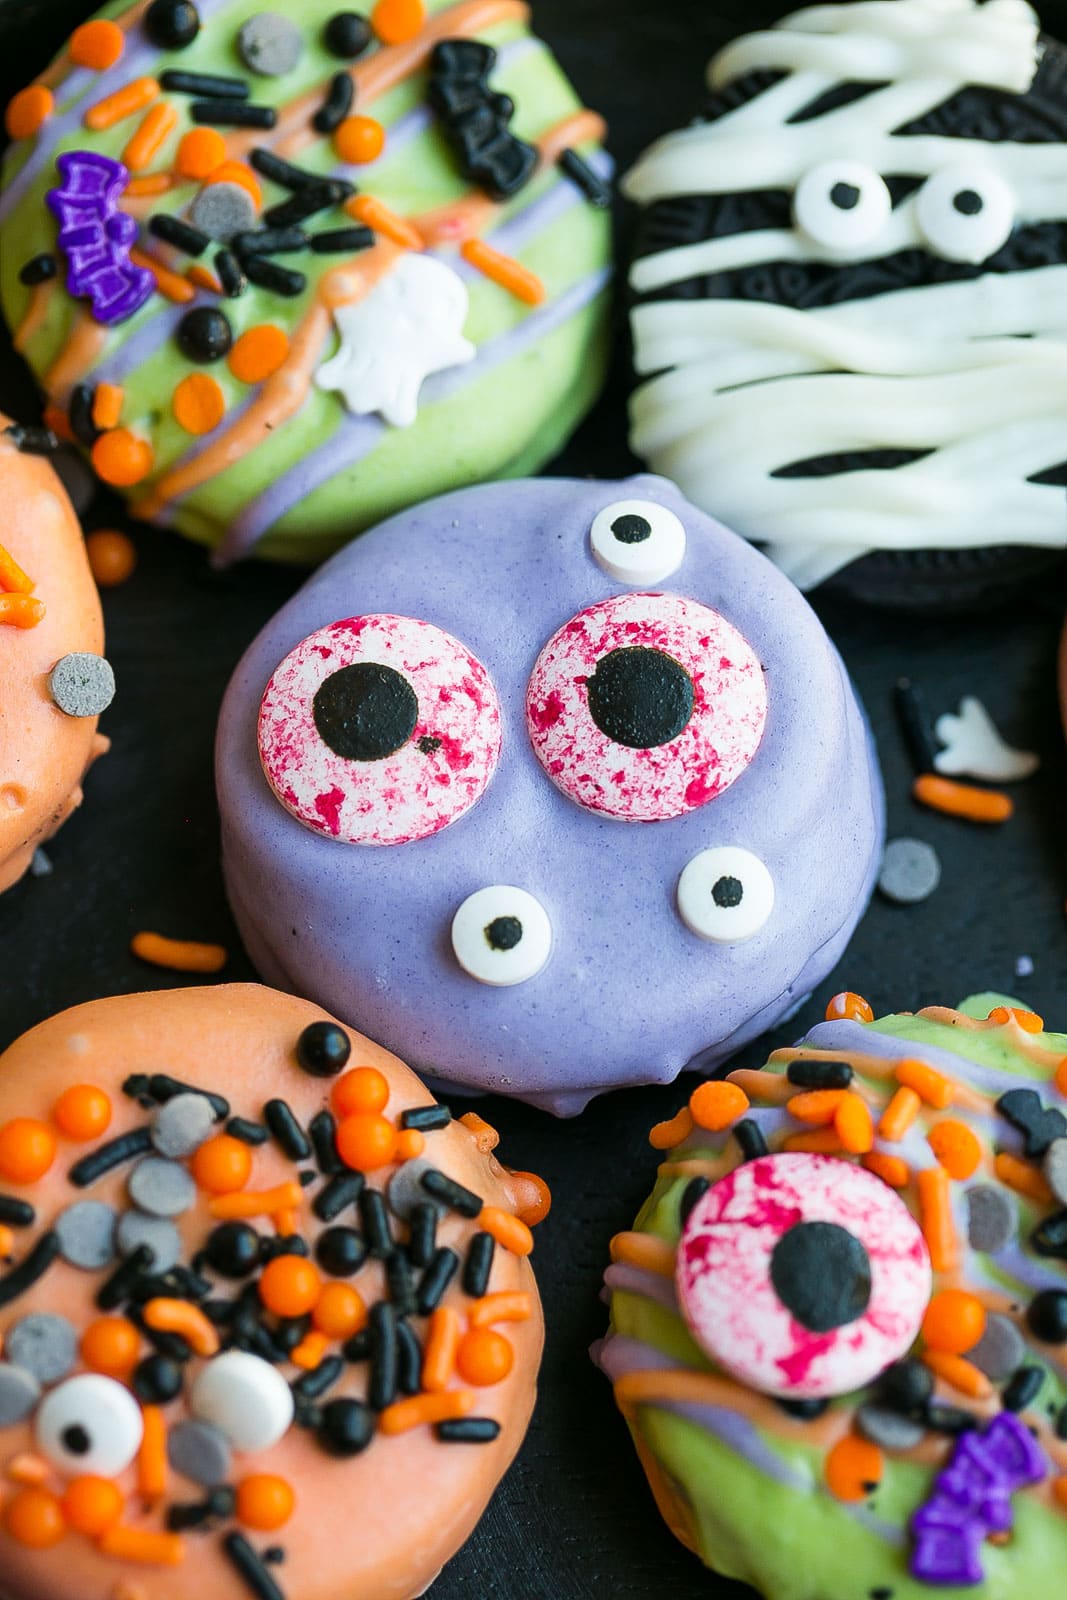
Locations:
(551, 786)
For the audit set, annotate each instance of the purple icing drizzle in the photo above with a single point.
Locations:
(864, 1039)
(96, 236)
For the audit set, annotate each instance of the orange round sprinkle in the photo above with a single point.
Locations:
(359, 140)
(853, 1468)
(339, 1311)
(258, 353)
(111, 1345)
(199, 403)
(237, 172)
(34, 1518)
(954, 1321)
(28, 110)
(717, 1105)
(410, 1144)
(1029, 1021)
(92, 1505)
(82, 1112)
(222, 1165)
(366, 1141)
(200, 152)
(956, 1147)
(362, 1089)
(264, 1501)
(533, 1197)
(27, 1150)
(849, 1007)
(484, 1357)
(121, 458)
(97, 44)
(289, 1286)
(112, 557)
(397, 21)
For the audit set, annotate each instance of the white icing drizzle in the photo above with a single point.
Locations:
(741, 389)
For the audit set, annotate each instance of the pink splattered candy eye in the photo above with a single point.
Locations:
(646, 706)
(379, 730)
(804, 1276)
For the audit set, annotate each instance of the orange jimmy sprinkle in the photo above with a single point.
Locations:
(27, 1150)
(222, 1165)
(57, 420)
(258, 353)
(485, 1136)
(156, 128)
(899, 1115)
(28, 110)
(12, 576)
(366, 1141)
(373, 214)
(7, 1242)
(264, 1501)
(665, 1135)
(21, 610)
(1019, 1175)
(152, 1456)
(199, 403)
(960, 1373)
(121, 458)
(180, 955)
(148, 183)
(505, 271)
(954, 1321)
(310, 1351)
(134, 96)
(854, 1124)
(362, 1089)
(97, 44)
(171, 285)
(182, 1317)
(892, 1170)
(111, 1345)
(397, 21)
(107, 405)
(289, 1286)
(339, 1311)
(957, 1148)
(849, 1007)
(484, 1357)
(1028, 1021)
(404, 1415)
(644, 1250)
(410, 1144)
(931, 1086)
(237, 172)
(439, 1354)
(27, 1469)
(112, 557)
(92, 1505)
(717, 1105)
(137, 1544)
(34, 1518)
(962, 799)
(286, 1223)
(257, 1203)
(513, 1306)
(359, 140)
(533, 1197)
(817, 1106)
(1061, 1075)
(1059, 1489)
(203, 277)
(816, 1141)
(853, 1468)
(82, 1112)
(201, 150)
(509, 1231)
(935, 1218)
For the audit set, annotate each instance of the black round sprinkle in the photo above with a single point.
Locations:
(365, 712)
(346, 1428)
(1023, 1388)
(233, 1250)
(323, 1048)
(1047, 1316)
(157, 1380)
(822, 1274)
(76, 1440)
(967, 202)
(172, 24)
(728, 893)
(1049, 1238)
(631, 529)
(640, 698)
(204, 334)
(504, 933)
(906, 1386)
(845, 196)
(340, 1252)
(347, 34)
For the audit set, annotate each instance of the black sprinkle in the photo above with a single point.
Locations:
(323, 1131)
(220, 1312)
(340, 1252)
(337, 104)
(907, 1386)
(290, 177)
(234, 283)
(291, 1331)
(172, 24)
(31, 1269)
(376, 1229)
(423, 1240)
(346, 1427)
(804, 1410)
(232, 114)
(950, 1419)
(694, 1190)
(212, 85)
(188, 1515)
(596, 191)
(358, 1347)
(341, 241)
(339, 1193)
(401, 1283)
(181, 234)
(247, 1132)
(1039, 1123)
(275, 1555)
(289, 1245)
(913, 714)
(286, 1130)
(307, 203)
(450, 1193)
(409, 1359)
(468, 1430)
(881, 1593)
(749, 1136)
(269, 275)
(347, 34)
(1061, 1423)
(81, 415)
(425, 1119)
(436, 1279)
(311, 1385)
(106, 1157)
(1049, 1238)
(162, 1088)
(32, 441)
(808, 1072)
(381, 1390)
(124, 1280)
(38, 269)
(478, 1265)
(248, 1566)
(16, 1213)
(269, 242)
(1022, 1388)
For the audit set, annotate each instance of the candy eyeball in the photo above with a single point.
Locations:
(245, 1398)
(842, 206)
(725, 895)
(966, 212)
(803, 1276)
(501, 935)
(637, 541)
(90, 1424)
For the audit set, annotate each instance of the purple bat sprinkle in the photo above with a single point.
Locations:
(96, 236)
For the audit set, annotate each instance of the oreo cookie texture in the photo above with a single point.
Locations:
(850, 297)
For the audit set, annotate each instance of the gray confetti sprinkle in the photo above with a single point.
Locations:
(161, 1187)
(270, 44)
(87, 1235)
(82, 685)
(1055, 1165)
(1000, 1350)
(199, 1452)
(19, 1393)
(182, 1125)
(223, 209)
(41, 865)
(404, 1190)
(158, 1233)
(991, 1218)
(911, 871)
(888, 1429)
(42, 1344)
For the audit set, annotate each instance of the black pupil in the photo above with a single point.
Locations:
(631, 529)
(845, 196)
(365, 712)
(76, 1441)
(504, 933)
(967, 202)
(822, 1274)
(639, 697)
(728, 893)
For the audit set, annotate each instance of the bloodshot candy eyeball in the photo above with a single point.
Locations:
(555, 786)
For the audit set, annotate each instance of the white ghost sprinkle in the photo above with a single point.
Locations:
(974, 748)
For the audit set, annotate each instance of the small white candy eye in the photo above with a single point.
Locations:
(725, 895)
(966, 212)
(637, 541)
(842, 205)
(245, 1398)
(90, 1424)
(501, 935)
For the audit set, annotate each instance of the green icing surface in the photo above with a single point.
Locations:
(795, 1541)
(508, 421)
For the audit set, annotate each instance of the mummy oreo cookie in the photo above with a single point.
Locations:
(546, 822)
(848, 297)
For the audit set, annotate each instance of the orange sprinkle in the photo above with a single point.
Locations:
(665, 1135)
(21, 610)
(107, 405)
(264, 1501)
(504, 270)
(138, 1544)
(1059, 1489)
(258, 353)
(82, 1112)
(410, 1144)
(57, 420)
(158, 124)
(203, 277)
(397, 21)
(513, 1306)
(120, 458)
(533, 1197)
(199, 403)
(27, 1469)
(171, 285)
(817, 1106)
(132, 97)
(439, 1354)
(339, 1311)
(891, 1169)
(201, 150)
(179, 955)
(27, 1150)
(899, 1115)
(286, 1223)
(359, 140)
(960, 1373)
(717, 1105)
(373, 214)
(28, 110)
(363, 1089)
(222, 1164)
(257, 1203)
(854, 1125)
(849, 1007)
(817, 1141)
(182, 1317)
(954, 1321)
(12, 576)
(152, 1456)
(962, 799)
(935, 1218)
(150, 183)
(237, 172)
(366, 1141)
(7, 1242)
(509, 1231)
(404, 1415)
(92, 1505)
(853, 1468)
(484, 1358)
(34, 1518)
(111, 1345)
(931, 1086)
(1022, 1177)
(1061, 1075)
(310, 1351)
(97, 44)
(1029, 1021)
(112, 557)
(957, 1148)
(289, 1286)
(485, 1136)
(644, 1250)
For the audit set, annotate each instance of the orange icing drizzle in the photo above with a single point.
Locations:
(81, 352)
(59, 70)
(35, 315)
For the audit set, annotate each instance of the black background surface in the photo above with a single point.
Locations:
(574, 1519)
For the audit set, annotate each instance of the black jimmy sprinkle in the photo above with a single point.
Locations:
(288, 1133)
(341, 1192)
(80, 412)
(30, 1270)
(592, 185)
(808, 1072)
(232, 114)
(212, 85)
(106, 1157)
(181, 234)
(445, 1189)
(269, 275)
(337, 104)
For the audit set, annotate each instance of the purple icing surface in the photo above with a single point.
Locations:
(866, 1040)
(628, 994)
